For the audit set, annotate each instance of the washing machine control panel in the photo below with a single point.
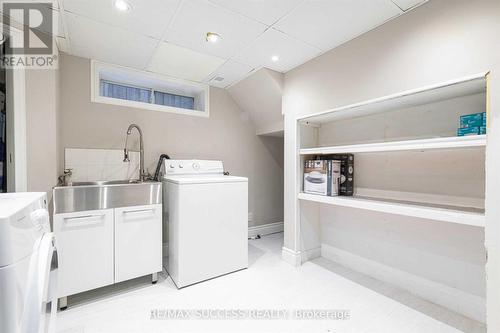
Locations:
(185, 167)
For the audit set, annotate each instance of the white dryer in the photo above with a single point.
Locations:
(205, 219)
(28, 265)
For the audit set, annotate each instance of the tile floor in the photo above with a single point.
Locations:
(269, 283)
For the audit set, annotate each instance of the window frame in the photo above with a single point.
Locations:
(97, 67)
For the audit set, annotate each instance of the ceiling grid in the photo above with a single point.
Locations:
(166, 36)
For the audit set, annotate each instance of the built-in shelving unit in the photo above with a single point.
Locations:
(418, 189)
(444, 213)
(315, 140)
(422, 144)
(455, 88)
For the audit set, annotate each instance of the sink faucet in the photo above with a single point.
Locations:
(63, 179)
(142, 174)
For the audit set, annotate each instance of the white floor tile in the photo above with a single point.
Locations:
(269, 283)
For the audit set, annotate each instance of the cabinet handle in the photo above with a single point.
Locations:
(152, 210)
(82, 217)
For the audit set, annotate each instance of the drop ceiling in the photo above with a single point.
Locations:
(168, 36)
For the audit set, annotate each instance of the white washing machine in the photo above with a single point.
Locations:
(205, 219)
(28, 265)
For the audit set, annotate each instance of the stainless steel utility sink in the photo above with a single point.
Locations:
(83, 196)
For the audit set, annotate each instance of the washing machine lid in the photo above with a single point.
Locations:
(204, 179)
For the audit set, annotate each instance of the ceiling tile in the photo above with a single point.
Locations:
(407, 4)
(182, 63)
(147, 17)
(231, 72)
(265, 11)
(95, 40)
(291, 52)
(197, 17)
(327, 24)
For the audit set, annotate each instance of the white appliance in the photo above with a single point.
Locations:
(206, 220)
(28, 265)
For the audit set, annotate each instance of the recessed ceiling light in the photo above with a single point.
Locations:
(213, 37)
(275, 58)
(122, 5)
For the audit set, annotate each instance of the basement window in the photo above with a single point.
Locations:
(178, 101)
(116, 90)
(144, 90)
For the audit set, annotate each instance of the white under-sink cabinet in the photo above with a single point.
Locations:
(101, 247)
(137, 241)
(84, 243)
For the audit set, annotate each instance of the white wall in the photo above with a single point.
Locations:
(260, 95)
(228, 135)
(436, 42)
(41, 130)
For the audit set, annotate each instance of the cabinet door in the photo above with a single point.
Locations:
(138, 247)
(84, 242)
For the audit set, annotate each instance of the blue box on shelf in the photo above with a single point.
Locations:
(484, 119)
(482, 130)
(468, 131)
(471, 120)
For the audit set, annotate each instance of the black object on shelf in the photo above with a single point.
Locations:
(346, 172)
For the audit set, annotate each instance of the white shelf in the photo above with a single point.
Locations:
(452, 214)
(470, 85)
(422, 144)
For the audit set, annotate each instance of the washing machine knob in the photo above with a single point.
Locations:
(196, 166)
(172, 166)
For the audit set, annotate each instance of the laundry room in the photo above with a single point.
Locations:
(249, 166)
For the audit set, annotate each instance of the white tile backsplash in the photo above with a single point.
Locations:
(100, 164)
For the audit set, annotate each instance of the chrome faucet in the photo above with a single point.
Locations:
(63, 179)
(142, 174)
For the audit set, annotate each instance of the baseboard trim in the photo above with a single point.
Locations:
(296, 258)
(469, 305)
(310, 254)
(265, 229)
(292, 257)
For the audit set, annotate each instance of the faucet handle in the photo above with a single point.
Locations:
(147, 175)
(62, 180)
